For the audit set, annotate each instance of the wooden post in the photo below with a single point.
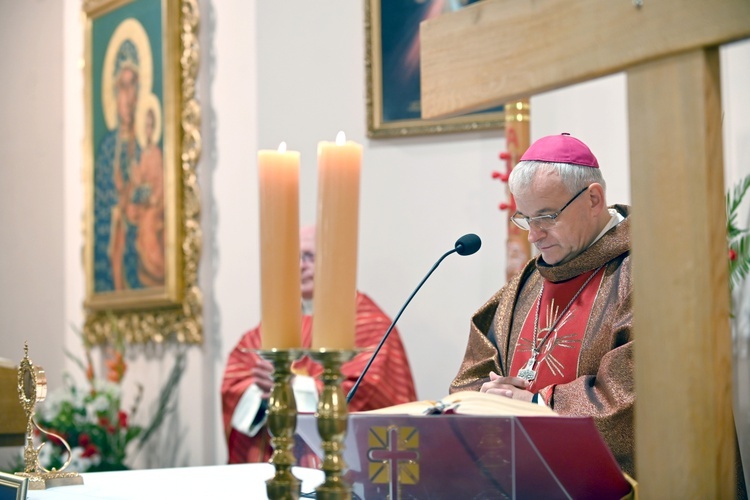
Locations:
(683, 351)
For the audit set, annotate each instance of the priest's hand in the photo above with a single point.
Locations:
(262, 376)
(510, 387)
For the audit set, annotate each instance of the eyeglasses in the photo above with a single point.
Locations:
(307, 257)
(543, 222)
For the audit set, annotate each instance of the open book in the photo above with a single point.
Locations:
(468, 403)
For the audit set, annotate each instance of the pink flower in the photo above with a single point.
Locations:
(123, 418)
(84, 440)
(90, 450)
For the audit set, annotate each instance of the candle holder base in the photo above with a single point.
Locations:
(332, 418)
(282, 422)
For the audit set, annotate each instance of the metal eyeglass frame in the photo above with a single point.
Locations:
(525, 222)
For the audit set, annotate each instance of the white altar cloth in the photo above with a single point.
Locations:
(218, 481)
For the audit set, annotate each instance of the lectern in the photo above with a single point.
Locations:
(471, 456)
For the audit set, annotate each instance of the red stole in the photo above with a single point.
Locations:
(557, 362)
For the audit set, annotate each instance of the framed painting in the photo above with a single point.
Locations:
(142, 142)
(13, 487)
(392, 71)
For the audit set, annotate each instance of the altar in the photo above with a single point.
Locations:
(217, 481)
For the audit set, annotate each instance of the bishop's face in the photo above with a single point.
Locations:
(574, 229)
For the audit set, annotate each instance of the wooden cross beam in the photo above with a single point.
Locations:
(498, 50)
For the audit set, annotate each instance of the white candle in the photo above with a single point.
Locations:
(339, 166)
(278, 181)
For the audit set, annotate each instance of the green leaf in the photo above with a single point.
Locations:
(734, 200)
(740, 267)
(738, 239)
(738, 193)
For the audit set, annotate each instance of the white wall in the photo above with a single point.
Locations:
(31, 173)
(268, 76)
(31, 200)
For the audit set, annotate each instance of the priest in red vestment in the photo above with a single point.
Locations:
(247, 378)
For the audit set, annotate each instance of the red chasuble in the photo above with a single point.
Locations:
(388, 381)
(554, 327)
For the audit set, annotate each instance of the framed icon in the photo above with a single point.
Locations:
(142, 232)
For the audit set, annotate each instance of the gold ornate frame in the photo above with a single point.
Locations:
(172, 308)
(377, 125)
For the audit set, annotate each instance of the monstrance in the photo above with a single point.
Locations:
(32, 389)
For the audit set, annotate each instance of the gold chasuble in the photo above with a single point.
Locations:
(578, 316)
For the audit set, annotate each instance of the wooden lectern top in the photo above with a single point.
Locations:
(12, 418)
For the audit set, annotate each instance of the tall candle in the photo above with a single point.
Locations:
(278, 181)
(339, 166)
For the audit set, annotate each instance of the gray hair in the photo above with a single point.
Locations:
(573, 177)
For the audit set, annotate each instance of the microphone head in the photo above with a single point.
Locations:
(468, 244)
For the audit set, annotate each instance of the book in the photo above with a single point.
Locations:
(467, 403)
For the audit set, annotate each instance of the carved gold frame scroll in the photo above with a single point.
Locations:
(170, 308)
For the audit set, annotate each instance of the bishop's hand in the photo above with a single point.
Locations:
(510, 387)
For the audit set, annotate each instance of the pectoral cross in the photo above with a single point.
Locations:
(527, 372)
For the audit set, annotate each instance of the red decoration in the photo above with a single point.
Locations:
(505, 156)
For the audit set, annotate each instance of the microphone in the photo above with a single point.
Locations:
(466, 245)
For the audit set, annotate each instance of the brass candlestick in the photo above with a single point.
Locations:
(282, 422)
(332, 418)
(32, 389)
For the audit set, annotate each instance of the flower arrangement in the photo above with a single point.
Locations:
(93, 421)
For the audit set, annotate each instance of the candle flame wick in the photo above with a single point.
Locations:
(282, 147)
(340, 138)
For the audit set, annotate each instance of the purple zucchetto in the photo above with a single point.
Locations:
(562, 148)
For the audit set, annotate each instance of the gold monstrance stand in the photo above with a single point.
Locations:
(32, 388)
